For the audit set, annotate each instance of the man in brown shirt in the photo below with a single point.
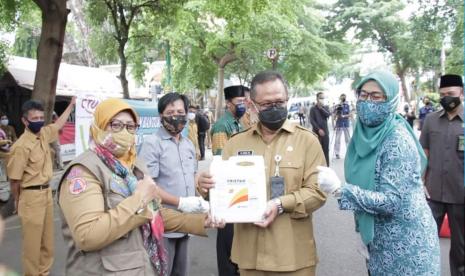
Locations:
(442, 138)
(283, 243)
(30, 169)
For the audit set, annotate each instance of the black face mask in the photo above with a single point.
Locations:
(449, 103)
(273, 118)
(343, 99)
(174, 124)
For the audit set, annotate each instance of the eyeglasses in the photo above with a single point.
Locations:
(117, 126)
(263, 106)
(375, 96)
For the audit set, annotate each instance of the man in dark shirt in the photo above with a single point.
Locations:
(319, 114)
(442, 138)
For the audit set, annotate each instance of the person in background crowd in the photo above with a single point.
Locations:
(112, 220)
(9, 130)
(383, 186)
(208, 136)
(30, 170)
(193, 130)
(409, 115)
(319, 114)
(283, 243)
(302, 112)
(442, 139)
(203, 125)
(171, 162)
(425, 110)
(341, 115)
(229, 123)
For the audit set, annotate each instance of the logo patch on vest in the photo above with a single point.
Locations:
(245, 152)
(77, 186)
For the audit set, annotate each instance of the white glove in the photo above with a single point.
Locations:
(328, 180)
(193, 204)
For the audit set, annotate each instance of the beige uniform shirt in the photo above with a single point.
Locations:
(193, 136)
(30, 158)
(82, 203)
(287, 244)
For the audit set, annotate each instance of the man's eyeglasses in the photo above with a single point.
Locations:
(117, 126)
(263, 106)
(375, 96)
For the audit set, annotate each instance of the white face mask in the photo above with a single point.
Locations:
(4, 122)
(191, 116)
(322, 101)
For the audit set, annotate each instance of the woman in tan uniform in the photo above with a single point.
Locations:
(112, 219)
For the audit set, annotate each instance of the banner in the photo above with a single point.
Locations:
(85, 107)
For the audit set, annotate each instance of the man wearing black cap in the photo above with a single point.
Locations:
(229, 123)
(442, 138)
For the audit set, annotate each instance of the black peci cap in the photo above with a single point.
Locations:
(451, 80)
(235, 91)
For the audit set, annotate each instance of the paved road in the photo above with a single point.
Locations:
(333, 229)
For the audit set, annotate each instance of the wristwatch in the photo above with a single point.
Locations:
(279, 204)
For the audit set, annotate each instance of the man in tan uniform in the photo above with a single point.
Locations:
(30, 170)
(193, 130)
(283, 243)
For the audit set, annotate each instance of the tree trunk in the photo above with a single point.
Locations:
(49, 52)
(219, 94)
(77, 8)
(123, 69)
(225, 60)
(404, 87)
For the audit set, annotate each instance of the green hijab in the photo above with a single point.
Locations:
(359, 166)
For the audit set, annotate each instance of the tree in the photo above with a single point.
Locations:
(123, 21)
(213, 29)
(413, 45)
(49, 52)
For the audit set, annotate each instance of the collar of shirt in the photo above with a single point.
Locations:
(460, 113)
(287, 126)
(31, 137)
(165, 135)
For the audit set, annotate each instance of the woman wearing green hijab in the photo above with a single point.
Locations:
(383, 188)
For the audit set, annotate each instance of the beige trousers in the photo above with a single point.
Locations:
(35, 209)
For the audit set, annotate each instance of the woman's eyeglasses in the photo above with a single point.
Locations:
(375, 96)
(117, 126)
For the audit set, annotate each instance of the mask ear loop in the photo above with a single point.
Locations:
(256, 108)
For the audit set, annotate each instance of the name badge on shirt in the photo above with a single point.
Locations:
(245, 152)
(460, 143)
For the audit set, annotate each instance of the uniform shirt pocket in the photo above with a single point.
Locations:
(292, 173)
(124, 263)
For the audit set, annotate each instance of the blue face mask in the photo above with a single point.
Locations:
(35, 127)
(240, 110)
(371, 113)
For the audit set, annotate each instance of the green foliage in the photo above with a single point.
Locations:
(3, 57)
(455, 58)
(27, 34)
(207, 30)
(132, 25)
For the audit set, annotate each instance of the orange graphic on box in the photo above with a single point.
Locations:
(241, 196)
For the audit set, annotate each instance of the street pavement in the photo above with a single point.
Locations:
(333, 229)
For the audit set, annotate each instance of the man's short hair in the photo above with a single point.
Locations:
(318, 94)
(171, 98)
(265, 76)
(31, 105)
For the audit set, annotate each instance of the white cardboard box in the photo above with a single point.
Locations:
(240, 192)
